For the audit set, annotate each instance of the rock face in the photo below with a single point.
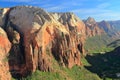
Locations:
(110, 28)
(5, 46)
(34, 38)
(76, 29)
(92, 27)
(106, 26)
(74, 25)
(37, 37)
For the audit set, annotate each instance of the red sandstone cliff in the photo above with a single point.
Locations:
(30, 38)
(37, 37)
(4, 52)
(92, 27)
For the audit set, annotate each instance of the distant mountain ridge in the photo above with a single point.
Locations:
(93, 28)
(115, 24)
(111, 28)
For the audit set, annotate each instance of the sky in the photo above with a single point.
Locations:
(98, 9)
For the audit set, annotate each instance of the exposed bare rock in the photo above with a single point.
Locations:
(5, 46)
(34, 37)
(105, 25)
(110, 28)
(92, 27)
(3, 16)
(74, 25)
(37, 36)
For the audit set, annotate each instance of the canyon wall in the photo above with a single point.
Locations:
(36, 37)
(32, 38)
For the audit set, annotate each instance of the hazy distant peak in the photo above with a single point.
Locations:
(90, 20)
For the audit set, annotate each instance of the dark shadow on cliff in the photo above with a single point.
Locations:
(105, 65)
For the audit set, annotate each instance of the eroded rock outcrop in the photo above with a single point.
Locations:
(76, 29)
(38, 36)
(74, 25)
(92, 28)
(5, 46)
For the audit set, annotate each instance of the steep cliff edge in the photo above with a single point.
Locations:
(74, 25)
(37, 37)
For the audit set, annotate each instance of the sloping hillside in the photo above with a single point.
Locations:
(114, 44)
(107, 65)
(98, 44)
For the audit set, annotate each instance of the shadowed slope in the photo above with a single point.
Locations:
(105, 65)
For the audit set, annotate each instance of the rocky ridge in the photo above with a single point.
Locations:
(110, 28)
(92, 27)
(35, 37)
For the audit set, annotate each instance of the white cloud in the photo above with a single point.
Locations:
(56, 8)
(72, 3)
(103, 5)
(46, 5)
(40, 2)
(100, 11)
(107, 16)
(62, 6)
(90, 11)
